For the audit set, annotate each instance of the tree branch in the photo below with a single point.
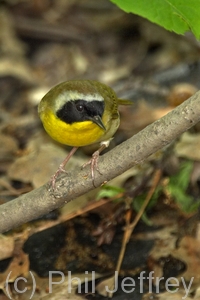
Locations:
(73, 184)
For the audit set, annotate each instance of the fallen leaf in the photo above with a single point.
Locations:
(40, 162)
(6, 246)
(8, 147)
(188, 146)
(19, 266)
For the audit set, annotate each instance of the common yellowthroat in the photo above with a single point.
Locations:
(79, 113)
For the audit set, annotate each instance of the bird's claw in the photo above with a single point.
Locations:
(93, 162)
(54, 177)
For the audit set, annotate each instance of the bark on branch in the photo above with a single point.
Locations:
(73, 184)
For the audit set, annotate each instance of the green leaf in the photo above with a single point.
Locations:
(182, 178)
(181, 197)
(174, 15)
(178, 186)
(108, 191)
(139, 200)
(137, 204)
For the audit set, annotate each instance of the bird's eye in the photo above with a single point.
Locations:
(79, 107)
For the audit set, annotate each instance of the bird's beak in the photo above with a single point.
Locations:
(97, 120)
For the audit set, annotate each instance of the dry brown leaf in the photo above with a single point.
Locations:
(163, 247)
(17, 68)
(8, 147)
(78, 204)
(19, 266)
(12, 61)
(40, 162)
(144, 115)
(9, 43)
(188, 146)
(3, 297)
(189, 252)
(181, 92)
(6, 246)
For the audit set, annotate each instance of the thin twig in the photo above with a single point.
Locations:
(156, 179)
(130, 227)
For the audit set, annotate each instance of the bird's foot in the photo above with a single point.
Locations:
(61, 168)
(54, 177)
(93, 162)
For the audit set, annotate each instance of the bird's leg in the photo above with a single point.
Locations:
(61, 167)
(93, 162)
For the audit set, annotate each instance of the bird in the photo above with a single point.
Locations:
(79, 113)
